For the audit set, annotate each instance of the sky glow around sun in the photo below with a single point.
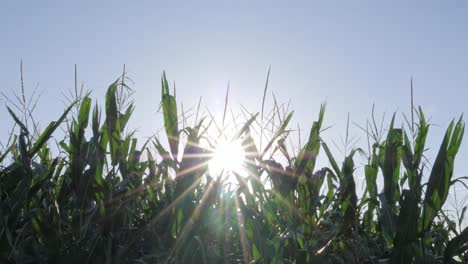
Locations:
(228, 157)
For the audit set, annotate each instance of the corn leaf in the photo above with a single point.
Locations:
(169, 106)
(308, 155)
(50, 129)
(441, 174)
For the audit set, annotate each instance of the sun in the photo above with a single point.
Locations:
(228, 157)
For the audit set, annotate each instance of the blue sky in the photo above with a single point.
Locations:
(350, 54)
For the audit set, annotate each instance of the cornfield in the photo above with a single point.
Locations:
(105, 197)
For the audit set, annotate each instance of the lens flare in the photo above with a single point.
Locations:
(228, 157)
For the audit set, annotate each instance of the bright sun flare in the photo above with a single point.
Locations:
(228, 157)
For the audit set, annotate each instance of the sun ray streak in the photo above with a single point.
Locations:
(191, 221)
(164, 212)
(242, 234)
(281, 198)
(175, 202)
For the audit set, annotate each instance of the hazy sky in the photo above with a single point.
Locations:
(350, 54)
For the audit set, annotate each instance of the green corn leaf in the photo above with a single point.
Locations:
(18, 121)
(456, 246)
(421, 137)
(441, 175)
(77, 137)
(370, 172)
(151, 166)
(391, 164)
(407, 159)
(7, 151)
(23, 151)
(103, 139)
(462, 216)
(281, 130)
(332, 160)
(113, 122)
(194, 158)
(83, 115)
(251, 150)
(95, 122)
(348, 195)
(124, 151)
(387, 220)
(161, 150)
(171, 124)
(50, 129)
(406, 234)
(245, 127)
(38, 182)
(256, 253)
(126, 116)
(308, 155)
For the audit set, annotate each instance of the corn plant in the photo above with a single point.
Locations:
(106, 197)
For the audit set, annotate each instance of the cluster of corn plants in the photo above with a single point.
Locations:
(104, 199)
